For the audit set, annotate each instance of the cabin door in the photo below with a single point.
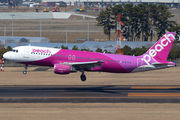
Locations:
(26, 52)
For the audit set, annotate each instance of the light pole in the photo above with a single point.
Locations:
(12, 23)
(66, 36)
(41, 28)
(88, 30)
(4, 33)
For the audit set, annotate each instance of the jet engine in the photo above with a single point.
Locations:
(63, 69)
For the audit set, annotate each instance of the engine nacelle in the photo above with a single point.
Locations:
(63, 69)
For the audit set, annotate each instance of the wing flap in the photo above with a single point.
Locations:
(84, 65)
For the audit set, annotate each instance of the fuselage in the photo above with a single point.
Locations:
(49, 56)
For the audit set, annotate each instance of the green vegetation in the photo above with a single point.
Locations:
(3, 50)
(138, 21)
(64, 47)
(75, 47)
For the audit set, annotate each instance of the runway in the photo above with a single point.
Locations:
(90, 94)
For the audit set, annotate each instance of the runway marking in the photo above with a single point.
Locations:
(153, 87)
(153, 94)
(60, 97)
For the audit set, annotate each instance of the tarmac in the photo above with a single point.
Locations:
(90, 94)
(164, 82)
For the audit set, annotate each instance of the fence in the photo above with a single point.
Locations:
(1, 64)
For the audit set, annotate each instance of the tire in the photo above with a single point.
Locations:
(83, 78)
(24, 72)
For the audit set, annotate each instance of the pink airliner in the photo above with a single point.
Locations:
(68, 61)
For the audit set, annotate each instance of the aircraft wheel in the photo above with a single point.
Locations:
(83, 78)
(24, 72)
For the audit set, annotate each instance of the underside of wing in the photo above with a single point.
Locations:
(84, 65)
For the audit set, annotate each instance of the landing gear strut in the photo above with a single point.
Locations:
(83, 77)
(24, 72)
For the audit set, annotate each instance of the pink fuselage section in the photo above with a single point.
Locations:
(111, 62)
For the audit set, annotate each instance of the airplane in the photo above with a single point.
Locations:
(68, 61)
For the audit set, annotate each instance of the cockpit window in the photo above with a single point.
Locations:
(13, 50)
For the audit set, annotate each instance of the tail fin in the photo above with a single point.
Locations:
(160, 50)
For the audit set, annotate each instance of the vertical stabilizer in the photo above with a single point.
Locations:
(160, 50)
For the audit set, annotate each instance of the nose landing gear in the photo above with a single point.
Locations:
(24, 72)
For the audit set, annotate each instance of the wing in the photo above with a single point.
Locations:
(84, 65)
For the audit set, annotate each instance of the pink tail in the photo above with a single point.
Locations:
(160, 50)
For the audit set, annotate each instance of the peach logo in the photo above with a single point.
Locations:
(41, 51)
(158, 48)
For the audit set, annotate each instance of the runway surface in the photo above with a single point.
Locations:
(89, 94)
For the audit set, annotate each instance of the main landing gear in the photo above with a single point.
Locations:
(24, 72)
(83, 77)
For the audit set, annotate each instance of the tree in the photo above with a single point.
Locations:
(127, 50)
(99, 50)
(176, 29)
(75, 47)
(105, 51)
(57, 47)
(173, 54)
(85, 50)
(9, 48)
(64, 47)
(2, 51)
(140, 19)
(104, 19)
(164, 21)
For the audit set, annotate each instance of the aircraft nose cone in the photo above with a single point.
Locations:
(5, 55)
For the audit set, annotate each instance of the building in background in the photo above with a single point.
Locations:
(110, 46)
(20, 39)
(53, 3)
